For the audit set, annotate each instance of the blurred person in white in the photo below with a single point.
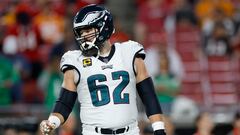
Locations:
(206, 13)
(236, 125)
(153, 62)
(218, 42)
(218, 15)
(204, 124)
(218, 30)
(105, 78)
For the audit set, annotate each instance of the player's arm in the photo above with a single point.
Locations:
(64, 104)
(67, 97)
(147, 94)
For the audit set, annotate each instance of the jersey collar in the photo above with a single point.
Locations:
(108, 58)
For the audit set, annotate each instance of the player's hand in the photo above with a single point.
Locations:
(46, 127)
(159, 132)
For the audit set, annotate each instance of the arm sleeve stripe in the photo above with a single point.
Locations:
(66, 67)
(137, 55)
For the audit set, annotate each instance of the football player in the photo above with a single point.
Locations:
(105, 78)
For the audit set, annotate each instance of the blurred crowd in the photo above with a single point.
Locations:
(179, 37)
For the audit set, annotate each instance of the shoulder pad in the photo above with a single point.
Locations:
(68, 59)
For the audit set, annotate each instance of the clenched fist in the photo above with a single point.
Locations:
(47, 127)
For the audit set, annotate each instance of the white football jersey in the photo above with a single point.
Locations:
(106, 86)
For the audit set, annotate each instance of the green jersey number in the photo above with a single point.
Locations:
(100, 92)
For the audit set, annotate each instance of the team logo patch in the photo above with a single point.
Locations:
(87, 62)
(107, 67)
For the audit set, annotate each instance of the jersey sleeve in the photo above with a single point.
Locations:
(135, 50)
(138, 50)
(67, 63)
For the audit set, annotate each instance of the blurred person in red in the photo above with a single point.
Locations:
(21, 45)
(23, 39)
(151, 16)
(236, 125)
(22, 42)
(204, 124)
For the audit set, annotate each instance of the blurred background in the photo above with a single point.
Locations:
(193, 55)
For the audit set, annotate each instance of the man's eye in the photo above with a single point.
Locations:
(90, 30)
